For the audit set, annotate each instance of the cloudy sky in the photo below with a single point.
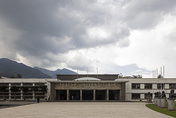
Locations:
(116, 36)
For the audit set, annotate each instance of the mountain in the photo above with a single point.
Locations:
(10, 68)
(53, 73)
(66, 71)
(48, 72)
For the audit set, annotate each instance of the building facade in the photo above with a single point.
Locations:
(86, 87)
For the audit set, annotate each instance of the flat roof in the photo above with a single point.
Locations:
(88, 81)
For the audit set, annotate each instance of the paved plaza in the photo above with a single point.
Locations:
(81, 110)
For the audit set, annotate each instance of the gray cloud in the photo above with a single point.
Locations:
(128, 70)
(142, 14)
(80, 62)
(36, 29)
(44, 24)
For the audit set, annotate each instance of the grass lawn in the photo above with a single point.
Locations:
(162, 110)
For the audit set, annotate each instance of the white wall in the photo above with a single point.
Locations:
(142, 82)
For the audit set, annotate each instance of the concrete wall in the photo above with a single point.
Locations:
(142, 91)
(127, 90)
(29, 82)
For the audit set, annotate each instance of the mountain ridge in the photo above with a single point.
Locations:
(58, 71)
(10, 68)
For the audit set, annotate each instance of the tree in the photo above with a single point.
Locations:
(160, 76)
(14, 89)
(0, 77)
(44, 89)
(35, 88)
(12, 77)
(25, 91)
(19, 76)
(137, 76)
(3, 89)
(120, 75)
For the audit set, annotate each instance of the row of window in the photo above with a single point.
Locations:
(149, 86)
(137, 86)
(137, 96)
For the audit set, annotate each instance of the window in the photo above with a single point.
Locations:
(146, 96)
(160, 86)
(148, 86)
(135, 86)
(135, 96)
(172, 86)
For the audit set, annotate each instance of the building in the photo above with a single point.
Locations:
(106, 87)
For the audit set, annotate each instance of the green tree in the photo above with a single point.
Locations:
(44, 89)
(3, 89)
(137, 76)
(25, 91)
(19, 76)
(0, 77)
(14, 89)
(12, 77)
(35, 88)
(160, 76)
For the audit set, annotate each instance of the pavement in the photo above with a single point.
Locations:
(81, 110)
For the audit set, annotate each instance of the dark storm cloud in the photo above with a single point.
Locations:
(46, 23)
(57, 26)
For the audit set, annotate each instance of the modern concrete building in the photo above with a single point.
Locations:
(87, 87)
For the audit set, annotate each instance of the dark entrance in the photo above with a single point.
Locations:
(74, 94)
(100, 94)
(61, 95)
(87, 94)
(114, 95)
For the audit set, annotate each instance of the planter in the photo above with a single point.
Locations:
(155, 102)
(171, 104)
(159, 102)
(163, 103)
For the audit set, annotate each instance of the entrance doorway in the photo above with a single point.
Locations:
(87, 94)
(74, 94)
(100, 94)
(61, 95)
(114, 94)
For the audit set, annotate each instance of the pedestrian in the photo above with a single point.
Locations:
(38, 100)
(72, 97)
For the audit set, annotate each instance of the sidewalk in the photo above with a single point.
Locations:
(81, 110)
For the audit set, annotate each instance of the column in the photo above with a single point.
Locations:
(81, 95)
(33, 93)
(120, 95)
(22, 92)
(107, 95)
(94, 95)
(67, 95)
(9, 91)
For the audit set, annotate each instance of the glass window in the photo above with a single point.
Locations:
(148, 86)
(172, 86)
(135, 96)
(135, 86)
(160, 86)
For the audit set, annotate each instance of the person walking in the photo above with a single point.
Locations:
(72, 97)
(38, 100)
